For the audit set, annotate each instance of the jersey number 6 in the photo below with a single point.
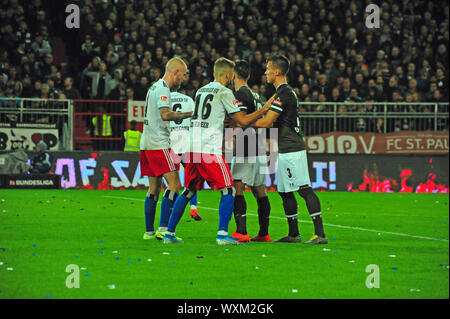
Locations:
(176, 108)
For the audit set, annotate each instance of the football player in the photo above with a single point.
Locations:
(156, 157)
(292, 170)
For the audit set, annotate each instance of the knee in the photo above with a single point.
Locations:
(189, 193)
(305, 192)
(289, 202)
(228, 191)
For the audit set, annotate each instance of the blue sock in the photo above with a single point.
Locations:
(150, 208)
(225, 211)
(166, 207)
(177, 212)
(193, 200)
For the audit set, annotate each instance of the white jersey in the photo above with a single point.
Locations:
(179, 130)
(155, 135)
(212, 102)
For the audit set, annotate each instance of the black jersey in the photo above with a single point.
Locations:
(249, 102)
(288, 122)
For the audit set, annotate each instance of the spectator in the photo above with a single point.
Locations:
(142, 88)
(99, 80)
(411, 44)
(69, 91)
(41, 46)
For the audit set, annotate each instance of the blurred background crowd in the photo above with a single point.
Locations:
(122, 46)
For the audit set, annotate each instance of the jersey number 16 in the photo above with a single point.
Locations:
(205, 102)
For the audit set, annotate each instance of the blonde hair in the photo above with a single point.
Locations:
(222, 66)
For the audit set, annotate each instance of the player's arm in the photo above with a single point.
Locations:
(245, 119)
(266, 121)
(167, 115)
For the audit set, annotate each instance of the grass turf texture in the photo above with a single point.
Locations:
(42, 231)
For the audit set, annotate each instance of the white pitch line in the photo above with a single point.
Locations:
(309, 222)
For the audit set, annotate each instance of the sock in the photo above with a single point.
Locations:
(150, 209)
(193, 201)
(313, 206)
(166, 207)
(240, 211)
(263, 215)
(226, 208)
(318, 224)
(178, 209)
(290, 209)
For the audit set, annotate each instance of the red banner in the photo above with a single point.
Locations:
(426, 142)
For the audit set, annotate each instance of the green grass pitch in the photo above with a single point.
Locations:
(42, 232)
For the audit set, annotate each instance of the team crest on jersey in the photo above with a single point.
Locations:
(163, 98)
(277, 102)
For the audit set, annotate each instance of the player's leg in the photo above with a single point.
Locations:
(192, 180)
(177, 212)
(263, 213)
(193, 202)
(151, 201)
(194, 210)
(287, 179)
(240, 209)
(169, 197)
(311, 199)
(240, 174)
(217, 173)
(313, 206)
(151, 198)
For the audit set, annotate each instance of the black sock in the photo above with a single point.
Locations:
(293, 225)
(290, 209)
(240, 211)
(313, 205)
(263, 215)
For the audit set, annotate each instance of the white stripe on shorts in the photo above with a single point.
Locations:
(169, 160)
(226, 178)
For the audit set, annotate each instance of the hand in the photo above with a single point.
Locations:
(268, 103)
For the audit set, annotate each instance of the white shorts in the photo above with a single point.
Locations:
(292, 171)
(252, 172)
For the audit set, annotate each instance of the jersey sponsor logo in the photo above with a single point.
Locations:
(277, 102)
(163, 98)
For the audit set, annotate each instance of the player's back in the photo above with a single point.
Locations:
(249, 102)
(155, 133)
(179, 130)
(212, 102)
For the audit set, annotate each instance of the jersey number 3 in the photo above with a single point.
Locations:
(205, 102)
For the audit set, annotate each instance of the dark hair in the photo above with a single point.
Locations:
(280, 62)
(242, 69)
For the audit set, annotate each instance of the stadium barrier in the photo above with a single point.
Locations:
(68, 124)
(375, 117)
(99, 124)
(24, 122)
(328, 172)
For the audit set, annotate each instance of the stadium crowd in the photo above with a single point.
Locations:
(122, 48)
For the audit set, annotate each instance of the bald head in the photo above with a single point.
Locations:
(176, 70)
(175, 64)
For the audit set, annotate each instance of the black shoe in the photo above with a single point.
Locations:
(289, 239)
